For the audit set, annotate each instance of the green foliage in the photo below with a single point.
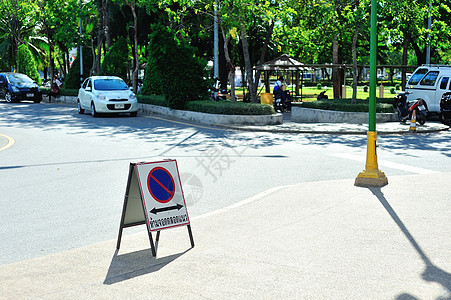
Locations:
(152, 84)
(211, 107)
(73, 77)
(63, 91)
(27, 64)
(152, 99)
(230, 108)
(365, 88)
(116, 60)
(382, 106)
(319, 86)
(3, 66)
(173, 68)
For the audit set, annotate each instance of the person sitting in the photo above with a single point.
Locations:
(279, 89)
(55, 91)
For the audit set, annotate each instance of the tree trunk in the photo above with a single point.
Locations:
(336, 74)
(135, 50)
(404, 61)
(230, 65)
(248, 68)
(106, 22)
(421, 55)
(263, 53)
(354, 66)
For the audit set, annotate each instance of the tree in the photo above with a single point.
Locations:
(73, 77)
(59, 25)
(28, 64)
(174, 69)
(133, 4)
(116, 59)
(17, 23)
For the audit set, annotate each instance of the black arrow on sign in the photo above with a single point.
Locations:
(158, 210)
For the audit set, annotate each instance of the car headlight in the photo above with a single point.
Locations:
(132, 96)
(100, 97)
(15, 89)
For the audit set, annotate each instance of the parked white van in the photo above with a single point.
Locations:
(429, 82)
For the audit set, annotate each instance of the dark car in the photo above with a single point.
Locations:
(15, 87)
(445, 109)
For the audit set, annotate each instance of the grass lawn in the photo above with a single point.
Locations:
(312, 92)
(309, 93)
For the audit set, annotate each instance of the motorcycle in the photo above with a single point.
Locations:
(405, 109)
(322, 96)
(217, 93)
(445, 109)
(280, 104)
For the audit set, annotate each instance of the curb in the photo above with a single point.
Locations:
(347, 132)
(243, 123)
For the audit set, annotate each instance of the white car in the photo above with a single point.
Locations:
(106, 94)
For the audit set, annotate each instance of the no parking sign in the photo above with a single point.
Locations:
(154, 197)
(162, 194)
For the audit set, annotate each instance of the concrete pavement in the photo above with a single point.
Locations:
(345, 128)
(314, 240)
(293, 127)
(303, 241)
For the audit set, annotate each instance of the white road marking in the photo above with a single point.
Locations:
(10, 142)
(385, 163)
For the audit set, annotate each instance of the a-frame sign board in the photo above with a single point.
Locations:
(154, 197)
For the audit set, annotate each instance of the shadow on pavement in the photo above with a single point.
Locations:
(135, 264)
(431, 273)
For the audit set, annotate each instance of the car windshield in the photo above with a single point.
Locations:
(417, 76)
(110, 84)
(19, 79)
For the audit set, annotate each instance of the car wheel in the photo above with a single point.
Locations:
(79, 108)
(133, 114)
(443, 119)
(8, 97)
(93, 110)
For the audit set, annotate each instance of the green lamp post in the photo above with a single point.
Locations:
(372, 176)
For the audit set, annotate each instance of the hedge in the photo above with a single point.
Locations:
(382, 106)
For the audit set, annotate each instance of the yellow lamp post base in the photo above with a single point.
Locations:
(371, 176)
(375, 178)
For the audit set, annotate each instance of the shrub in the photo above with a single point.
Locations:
(230, 108)
(72, 80)
(3, 65)
(346, 105)
(398, 87)
(27, 64)
(319, 86)
(152, 79)
(365, 89)
(173, 69)
(392, 91)
(116, 59)
(152, 99)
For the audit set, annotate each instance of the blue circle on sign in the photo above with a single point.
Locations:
(161, 184)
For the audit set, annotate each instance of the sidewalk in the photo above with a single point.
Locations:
(303, 241)
(344, 128)
(321, 128)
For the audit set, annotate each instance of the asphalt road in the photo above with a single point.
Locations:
(62, 182)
